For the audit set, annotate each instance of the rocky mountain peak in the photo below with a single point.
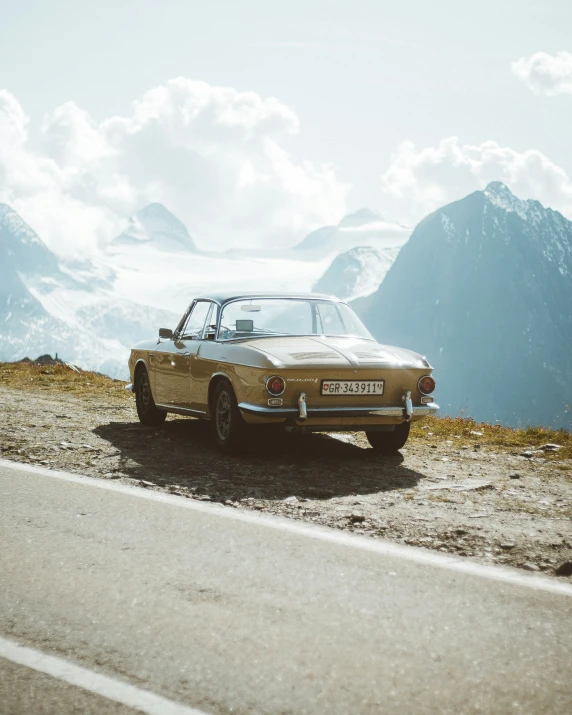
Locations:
(500, 195)
(360, 217)
(492, 302)
(155, 224)
(21, 249)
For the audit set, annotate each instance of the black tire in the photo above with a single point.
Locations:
(229, 430)
(389, 442)
(149, 414)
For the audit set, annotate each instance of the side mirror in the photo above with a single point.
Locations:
(166, 333)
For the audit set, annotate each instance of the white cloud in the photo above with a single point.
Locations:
(420, 180)
(213, 155)
(545, 74)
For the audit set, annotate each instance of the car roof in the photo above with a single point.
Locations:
(222, 298)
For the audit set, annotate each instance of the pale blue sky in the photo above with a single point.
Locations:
(362, 76)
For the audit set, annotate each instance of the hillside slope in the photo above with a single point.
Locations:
(484, 289)
(356, 273)
(48, 306)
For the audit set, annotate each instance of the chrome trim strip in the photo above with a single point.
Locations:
(252, 409)
(426, 409)
(423, 410)
(129, 387)
(182, 410)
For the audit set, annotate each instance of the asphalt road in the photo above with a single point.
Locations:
(233, 614)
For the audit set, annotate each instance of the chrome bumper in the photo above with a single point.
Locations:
(313, 412)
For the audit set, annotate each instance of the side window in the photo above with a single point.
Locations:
(196, 321)
(329, 319)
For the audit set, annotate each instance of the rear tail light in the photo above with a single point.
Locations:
(426, 385)
(275, 385)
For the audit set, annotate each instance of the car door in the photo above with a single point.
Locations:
(173, 358)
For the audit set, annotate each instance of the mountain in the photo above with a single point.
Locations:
(156, 226)
(484, 288)
(20, 246)
(356, 273)
(364, 227)
(24, 323)
(72, 309)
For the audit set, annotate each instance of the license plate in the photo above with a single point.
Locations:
(352, 387)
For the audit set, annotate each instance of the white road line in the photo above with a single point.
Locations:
(103, 685)
(364, 543)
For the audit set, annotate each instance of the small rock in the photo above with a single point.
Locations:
(477, 434)
(527, 453)
(111, 475)
(516, 475)
(146, 484)
(356, 518)
(564, 569)
(205, 497)
(550, 447)
(507, 545)
(529, 567)
(290, 499)
(461, 532)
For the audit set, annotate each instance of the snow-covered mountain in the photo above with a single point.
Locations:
(362, 228)
(24, 322)
(356, 273)
(47, 306)
(156, 226)
(92, 312)
(484, 288)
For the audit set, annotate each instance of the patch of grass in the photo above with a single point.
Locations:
(60, 378)
(459, 430)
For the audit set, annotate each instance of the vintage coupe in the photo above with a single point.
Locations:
(301, 361)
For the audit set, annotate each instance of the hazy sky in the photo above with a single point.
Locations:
(371, 89)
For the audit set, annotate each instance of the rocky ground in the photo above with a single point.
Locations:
(457, 495)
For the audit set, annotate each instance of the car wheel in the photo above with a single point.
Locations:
(227, 425)
(149, 414)
(389, 441)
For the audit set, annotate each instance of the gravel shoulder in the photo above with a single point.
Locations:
(451, 495)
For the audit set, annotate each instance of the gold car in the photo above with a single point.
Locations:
(302, 361)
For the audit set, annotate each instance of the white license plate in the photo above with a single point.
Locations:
(352, 387)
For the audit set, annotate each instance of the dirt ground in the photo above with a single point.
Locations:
(454, 495)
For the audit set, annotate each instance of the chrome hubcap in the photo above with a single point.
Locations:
(223, 416)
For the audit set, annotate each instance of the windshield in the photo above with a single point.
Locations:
(261, 317)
